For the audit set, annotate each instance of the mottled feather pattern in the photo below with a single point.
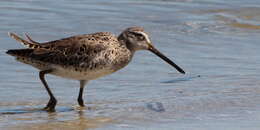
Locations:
(82, 53)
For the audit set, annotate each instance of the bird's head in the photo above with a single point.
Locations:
(136, 38)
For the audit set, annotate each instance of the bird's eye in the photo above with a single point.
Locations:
(139, 36)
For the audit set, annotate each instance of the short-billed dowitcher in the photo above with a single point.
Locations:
(84, 57)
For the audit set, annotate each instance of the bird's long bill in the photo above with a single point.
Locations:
(158, 53)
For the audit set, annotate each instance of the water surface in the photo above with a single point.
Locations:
(215, 41)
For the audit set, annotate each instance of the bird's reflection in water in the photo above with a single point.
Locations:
(66, 120)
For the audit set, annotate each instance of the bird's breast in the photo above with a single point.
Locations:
(103, 64)
(81, 74)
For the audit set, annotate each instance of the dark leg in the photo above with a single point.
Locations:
(52, 102)
(80, 99)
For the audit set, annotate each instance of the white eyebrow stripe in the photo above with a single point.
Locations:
(146, 36)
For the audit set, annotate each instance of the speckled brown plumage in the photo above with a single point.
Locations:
(84, 57)
(83, 53)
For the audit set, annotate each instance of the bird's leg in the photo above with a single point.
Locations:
(52, 102)
(80, 99)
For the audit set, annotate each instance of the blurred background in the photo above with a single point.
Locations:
(215, 41)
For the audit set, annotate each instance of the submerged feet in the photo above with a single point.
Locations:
(50, 107)
(81, 102)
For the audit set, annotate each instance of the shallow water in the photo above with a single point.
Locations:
(215, 41)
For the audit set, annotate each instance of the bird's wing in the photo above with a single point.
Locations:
(72, 51)
(87, 43)
(48, 56)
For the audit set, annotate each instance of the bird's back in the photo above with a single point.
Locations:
(87, 56)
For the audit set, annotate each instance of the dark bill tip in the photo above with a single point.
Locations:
(158, 53)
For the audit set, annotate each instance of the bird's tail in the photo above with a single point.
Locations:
(20, 52)
(30, 44)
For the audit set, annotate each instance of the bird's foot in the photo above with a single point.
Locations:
(81, 102)
(50, 107)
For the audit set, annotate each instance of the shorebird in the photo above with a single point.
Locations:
(84, 57)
